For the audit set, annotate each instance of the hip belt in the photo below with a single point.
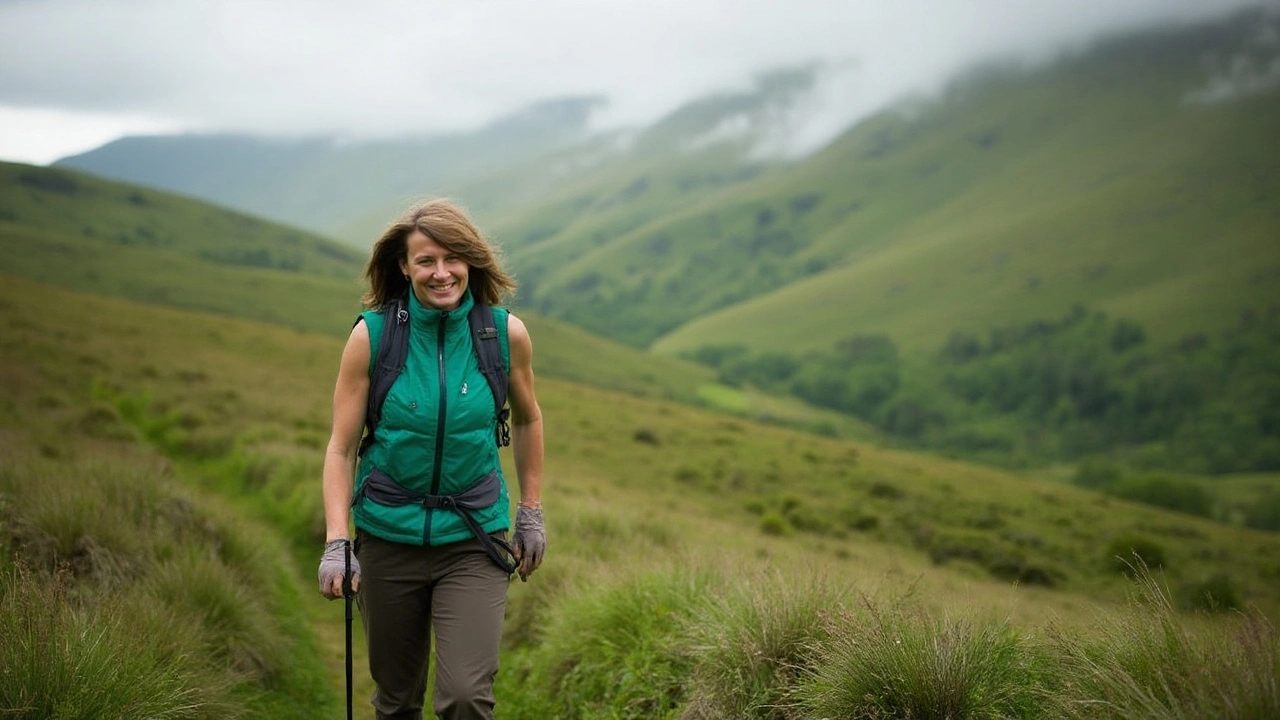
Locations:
(383, 490)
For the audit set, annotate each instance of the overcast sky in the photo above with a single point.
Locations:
(77, 73)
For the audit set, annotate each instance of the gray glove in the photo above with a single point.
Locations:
(333, 565)
(530, 541)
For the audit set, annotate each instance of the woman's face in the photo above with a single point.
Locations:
(438, 276)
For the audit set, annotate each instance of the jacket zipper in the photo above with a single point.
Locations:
(440, 418)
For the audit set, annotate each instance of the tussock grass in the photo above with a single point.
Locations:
(125, 596)
(755, 641)
(675, 641)
(62, 659)
(615, 652)
(897, 662)
(1153, 663)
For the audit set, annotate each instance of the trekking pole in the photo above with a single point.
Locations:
(346, 595)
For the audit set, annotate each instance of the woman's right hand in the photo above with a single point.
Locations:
(333, 566)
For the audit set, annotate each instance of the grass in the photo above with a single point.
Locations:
(178, 382)
(677, 641)
(1159, 665)
(888, 662)
(66, 661)
(754, 641)
(126, 596)
(658, 597)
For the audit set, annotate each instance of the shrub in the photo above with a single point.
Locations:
(1264, 512)
(1179, 494)
(886, 490)
(774, 523)
(1096, 473)
(1129, 554)
(1216, 593)
(863, 522)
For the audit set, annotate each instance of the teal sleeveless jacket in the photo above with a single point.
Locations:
(436, 435)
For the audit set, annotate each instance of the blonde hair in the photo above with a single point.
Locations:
(448, 225)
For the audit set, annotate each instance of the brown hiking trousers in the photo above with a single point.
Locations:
(407, 592)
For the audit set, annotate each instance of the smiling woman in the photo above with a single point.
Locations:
(425, 488)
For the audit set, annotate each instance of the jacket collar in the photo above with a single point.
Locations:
(424, 316)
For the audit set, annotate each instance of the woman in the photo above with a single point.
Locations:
(419, 569)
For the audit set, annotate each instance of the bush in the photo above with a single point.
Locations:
(1264, 512)
(774, 523)
(1216, 593)
(1178, 494)
(1096, 473)
(1131, 554)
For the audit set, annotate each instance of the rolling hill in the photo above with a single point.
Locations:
(77, 231)
(1097, 180)
(1136, 176)
(1114, 211)
(321, 184)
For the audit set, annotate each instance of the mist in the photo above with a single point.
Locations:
(383, 68)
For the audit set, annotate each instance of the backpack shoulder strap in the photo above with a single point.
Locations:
(388, 362)
(493, 364)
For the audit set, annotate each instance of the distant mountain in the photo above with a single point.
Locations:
(321, 184)
(1140, 177)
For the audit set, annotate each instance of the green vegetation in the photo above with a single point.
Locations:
(1056, 390)
(40, 237)
(1010, 197)
(163, 427)
(205, 491)
(675, 642)
(916, 275)
(75, 231)
(125, 596)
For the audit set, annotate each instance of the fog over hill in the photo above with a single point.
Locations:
(75, 74)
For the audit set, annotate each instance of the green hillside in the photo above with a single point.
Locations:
(1128, 177)
(1037, 266)
(195, 419)
(77, 231)
(1008, 199)
(931, 271)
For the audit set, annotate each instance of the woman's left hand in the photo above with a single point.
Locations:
(530, 541)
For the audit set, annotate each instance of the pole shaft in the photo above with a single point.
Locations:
(346, 595)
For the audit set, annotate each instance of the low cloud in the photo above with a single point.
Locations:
(1254, 69)
(381, 68)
